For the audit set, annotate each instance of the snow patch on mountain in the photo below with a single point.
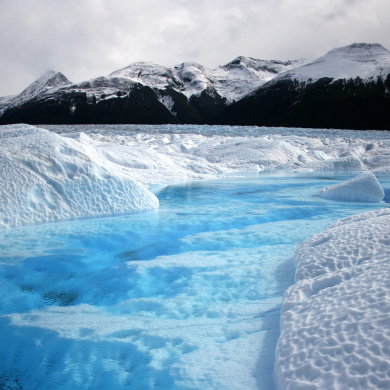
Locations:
(147, 73)
(5, 102)
(168, 103)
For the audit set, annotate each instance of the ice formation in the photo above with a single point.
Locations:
(362, 188)
(93, 172)
(45, 177)
(335, 318)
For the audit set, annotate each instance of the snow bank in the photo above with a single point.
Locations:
(335, 318)
(362, 188)
(45, 177)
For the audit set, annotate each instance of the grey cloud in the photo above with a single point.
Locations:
(89, 38)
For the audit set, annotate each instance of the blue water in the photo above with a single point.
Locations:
(186, 297)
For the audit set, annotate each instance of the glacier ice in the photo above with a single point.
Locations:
(93, 170)
(45, 177)
(335, 318)
(362, 188)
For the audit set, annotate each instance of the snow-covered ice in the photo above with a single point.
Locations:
(45, 177)
(335, 318)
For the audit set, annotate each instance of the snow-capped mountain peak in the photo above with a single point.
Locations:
(367, 61)
(48, 80)
(231, 81)
(147, 73)
(269, 66)
(245, 74)
(373, 53)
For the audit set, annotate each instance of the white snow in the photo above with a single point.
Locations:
(367, 61)
(4, 102)
(147, 73)
(335, 318)
(231, 81)
(168, 103)
(362, 188)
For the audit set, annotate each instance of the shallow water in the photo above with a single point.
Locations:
(186, 297)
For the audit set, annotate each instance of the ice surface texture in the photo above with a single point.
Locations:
(362, 188)
(45, 177)
(335, 319)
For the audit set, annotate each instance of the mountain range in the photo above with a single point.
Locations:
(349, 87)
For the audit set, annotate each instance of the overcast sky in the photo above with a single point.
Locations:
(84, 39)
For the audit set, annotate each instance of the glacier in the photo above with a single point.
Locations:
(334, 318)
(45, 177)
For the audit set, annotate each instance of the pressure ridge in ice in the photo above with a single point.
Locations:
(45, 177)
(362, 188)
(335, 318)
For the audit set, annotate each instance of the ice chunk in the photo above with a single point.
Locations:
(335, 318)
(46, 177)
(362, 188)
